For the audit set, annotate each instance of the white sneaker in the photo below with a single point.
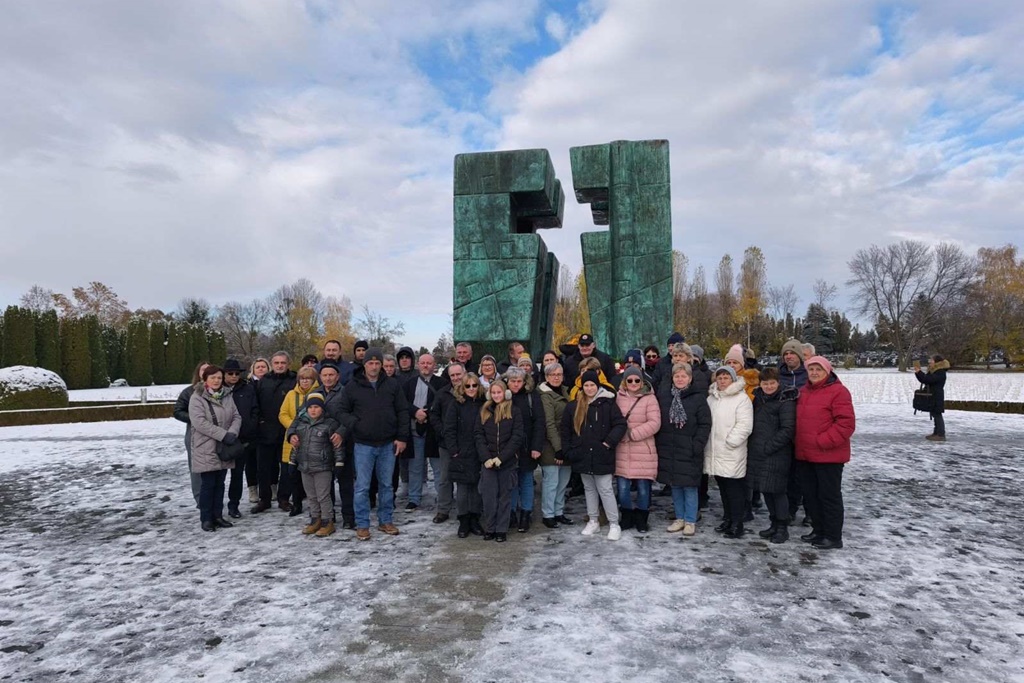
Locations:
(677, 525)
(614, 532)
(689, 529)
(591, 528)
(254, 494)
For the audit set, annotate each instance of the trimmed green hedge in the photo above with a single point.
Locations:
(986, 407)
(28, 388)
(115, 413)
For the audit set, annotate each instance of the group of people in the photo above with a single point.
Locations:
(344, 436)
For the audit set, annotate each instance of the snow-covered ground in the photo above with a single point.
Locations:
(163, 392)
(105, 575)
(892, 386)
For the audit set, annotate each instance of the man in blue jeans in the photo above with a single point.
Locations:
(375, 416)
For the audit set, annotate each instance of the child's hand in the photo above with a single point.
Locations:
(294, 441)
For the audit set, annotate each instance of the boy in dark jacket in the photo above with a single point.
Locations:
(316, 457)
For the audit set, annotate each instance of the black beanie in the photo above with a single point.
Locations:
(590, 376)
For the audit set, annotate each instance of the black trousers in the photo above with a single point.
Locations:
(346, 482)
(794, 492)
(734, 498)
(823, 497)
(940, 424)
(251, 468)
(211, 495)
(242, 466)
(702, 493)
(778, 506)
(295, 488)
(270, 470)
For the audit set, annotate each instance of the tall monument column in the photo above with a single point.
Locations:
(628, 267)
(505, 279)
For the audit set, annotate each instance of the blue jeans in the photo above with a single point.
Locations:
(552, 490)
(370, 459)
(684, 500)
(643, 493)
(522, 494)
(418, 469)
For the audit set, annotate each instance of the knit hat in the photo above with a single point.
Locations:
(676, 338)
(726, 369)
(820, 360)
(590, 376)
(315, 400)
(793, 346)
(736, 354)
(634, 356)
(698, 352)
(328, 364)
(374, 353)
(361, 344)
(632, 371)
(525, 357)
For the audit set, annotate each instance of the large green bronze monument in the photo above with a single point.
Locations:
(628, 267)
(505, 279)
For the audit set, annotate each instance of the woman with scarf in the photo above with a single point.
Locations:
(214, 420)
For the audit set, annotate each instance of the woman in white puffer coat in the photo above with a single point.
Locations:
(725, 455)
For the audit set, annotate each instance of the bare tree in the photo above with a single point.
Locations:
(824, 293)
(782, 301)
(726, 297)
(892, 282)
(680, 287)
(38, 299)
(378, 330)
(243, 325)
(752, 280)
(700, 321)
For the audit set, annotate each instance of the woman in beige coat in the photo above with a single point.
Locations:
(214, 420)
(725, 455)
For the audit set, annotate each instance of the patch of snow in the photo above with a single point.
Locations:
(163, 392)
(898, 387)
(25, 378)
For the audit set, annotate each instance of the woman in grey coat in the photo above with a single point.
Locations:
(214, 420)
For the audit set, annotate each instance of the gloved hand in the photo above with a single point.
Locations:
(492, 463)
(230, 439)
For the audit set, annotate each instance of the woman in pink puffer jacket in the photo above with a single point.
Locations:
(636, 457)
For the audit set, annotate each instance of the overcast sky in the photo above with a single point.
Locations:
(221, 149)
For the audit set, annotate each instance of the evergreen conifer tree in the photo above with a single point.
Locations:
(218, 348)
(74, 353)
(175, 362)
(158, 352)
(99, 374)
(19, 337)
(48, 341)
(137, 360)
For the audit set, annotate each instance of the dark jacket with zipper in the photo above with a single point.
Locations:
(770, 446)
(181, 405)
(586, 451)
(270, 393)
(936, 381)
(374, 415)
(500, 439)
(431, 441)
(315, 453)
(460, 421)
(529, 406)
(444, 399)
(244, 395)
(681, 449)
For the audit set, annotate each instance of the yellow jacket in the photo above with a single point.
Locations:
(289, 411)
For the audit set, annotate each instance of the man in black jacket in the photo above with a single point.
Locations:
(243, 393)
(421, 392)
(332, 353)
(375, 417)
(587, 347)
(270, 393)
(331, 389)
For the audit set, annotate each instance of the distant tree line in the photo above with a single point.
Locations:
(921, 298)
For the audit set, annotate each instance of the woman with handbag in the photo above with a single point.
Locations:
(215, 425)
(636, 457)
(935, 381)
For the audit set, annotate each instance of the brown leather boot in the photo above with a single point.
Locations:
(312, 527)
(326, 529)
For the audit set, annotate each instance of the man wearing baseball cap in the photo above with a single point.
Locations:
(585, 347)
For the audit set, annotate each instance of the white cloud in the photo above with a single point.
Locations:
(221, 149)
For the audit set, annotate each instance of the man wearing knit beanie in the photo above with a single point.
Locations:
(792, 372)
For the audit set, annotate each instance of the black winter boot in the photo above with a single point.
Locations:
(463, 526)
(781, 534)
(724, 526)
(550, 522)
(625, 518)
(513, 521)
(640, 520)
(735, 531)
(770, 531)
(474, 525)
(525, 519)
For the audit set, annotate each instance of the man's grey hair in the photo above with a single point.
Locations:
(390, 356)
(464, 345)
(808, 347)
(515, 373)
(454, 363)
(281, 354)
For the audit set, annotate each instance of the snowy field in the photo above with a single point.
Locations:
(106, 576)
(164, 392)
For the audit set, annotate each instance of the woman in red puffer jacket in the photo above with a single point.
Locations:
(825, 422)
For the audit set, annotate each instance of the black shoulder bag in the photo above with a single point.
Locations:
(226, 452)
(924, 401)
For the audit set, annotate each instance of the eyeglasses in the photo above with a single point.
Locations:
(652, 356)
(472, 386)
(232, 374)
(634, 380)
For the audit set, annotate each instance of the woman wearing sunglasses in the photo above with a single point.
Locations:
(460, 420)
(636, 457)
